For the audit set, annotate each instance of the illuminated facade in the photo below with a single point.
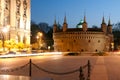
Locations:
(82, 38)
(15, 16)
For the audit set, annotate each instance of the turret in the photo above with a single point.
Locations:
(58, 26)
(104, 26)
(109, 26)
(55, 26)
(65, 25)
(84, 25)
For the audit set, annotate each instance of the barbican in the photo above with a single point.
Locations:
(82, 38)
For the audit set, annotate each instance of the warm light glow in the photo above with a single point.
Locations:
(49, 47)
(8, 26)
(37, 37)
(40, 34)
(35, 54)
(14, 77)
(5, 29)
(19, 55)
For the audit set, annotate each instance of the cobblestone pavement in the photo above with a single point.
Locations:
(103, 67)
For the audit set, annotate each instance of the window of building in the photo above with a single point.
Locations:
(96, 50)
(24, 24)
(89, 41)
(24, 40)
(98, 41)
(82, 50)
(18, 38)
(18, 23)
(74, 40)
(68, 50)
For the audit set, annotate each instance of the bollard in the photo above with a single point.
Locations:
(30, 67)
(89, 68)
(81, 76)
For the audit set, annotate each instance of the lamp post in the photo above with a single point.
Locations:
(37, 42)
(39, 39)
(49, 48)
(112, 46)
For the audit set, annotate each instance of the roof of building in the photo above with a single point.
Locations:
(80, 29)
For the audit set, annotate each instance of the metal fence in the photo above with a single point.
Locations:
(30, 63)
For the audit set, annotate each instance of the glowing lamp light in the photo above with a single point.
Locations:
(40, 34)
(5, 29)
(37, 37)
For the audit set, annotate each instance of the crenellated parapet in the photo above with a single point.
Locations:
(83, 39)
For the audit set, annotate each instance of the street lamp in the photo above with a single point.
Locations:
(112, 46)
(40, 34)
(49, 48)
(39, 39)
(37, 42)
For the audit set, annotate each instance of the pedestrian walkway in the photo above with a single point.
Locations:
(99, 71)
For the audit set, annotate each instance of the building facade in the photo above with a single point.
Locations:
(15, 16)
(83, 39)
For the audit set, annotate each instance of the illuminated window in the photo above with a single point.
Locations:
(24, 24)
(18, 23)
(24, 40)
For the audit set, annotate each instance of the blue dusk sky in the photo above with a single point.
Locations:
(46, 10)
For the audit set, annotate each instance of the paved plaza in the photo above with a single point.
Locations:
(103, 67)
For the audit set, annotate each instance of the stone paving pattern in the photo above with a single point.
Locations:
(103, 67)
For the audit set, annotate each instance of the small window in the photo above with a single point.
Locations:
(98, 41)
(82, 50)
(74, 40)
(68, 50)
(89, 41)
(96, 50)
